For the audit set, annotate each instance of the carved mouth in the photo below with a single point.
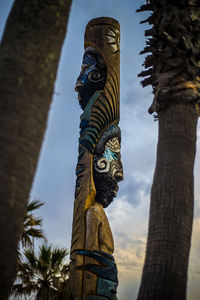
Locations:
(79, 97)
(116, 190)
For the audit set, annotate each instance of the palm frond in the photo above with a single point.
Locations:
(173, 44)
(65, 270)
(45, 253)
(35, 233)
(20, 289)
(30, 257)
(34, 204)
(44, 259)
(43, 274)
(26, 241)
(58, 256)
(31, 220)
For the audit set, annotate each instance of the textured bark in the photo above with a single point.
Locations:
(173, 70)
(171, 210)
(29, 56)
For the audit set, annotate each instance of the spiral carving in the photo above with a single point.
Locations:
(102, 165)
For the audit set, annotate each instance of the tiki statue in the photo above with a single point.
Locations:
(93, 272)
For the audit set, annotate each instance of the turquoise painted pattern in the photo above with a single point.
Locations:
(109, 155)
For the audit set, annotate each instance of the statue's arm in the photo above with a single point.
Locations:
(93, 224)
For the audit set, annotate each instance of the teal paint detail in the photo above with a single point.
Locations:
(88, 134)
(109, 155)
(108, 269)
(84, 124)
(83, 77)
(86, 114)
(88, 138)
(107, 288)
(106, 272)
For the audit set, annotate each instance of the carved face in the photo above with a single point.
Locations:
(108, 171)
(92, 76)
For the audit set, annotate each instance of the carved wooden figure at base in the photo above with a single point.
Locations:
(93, 272)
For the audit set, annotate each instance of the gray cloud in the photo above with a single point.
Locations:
(133, 189)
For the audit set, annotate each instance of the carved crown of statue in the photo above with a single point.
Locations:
(100, 97)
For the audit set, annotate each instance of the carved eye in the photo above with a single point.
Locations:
(95, 76)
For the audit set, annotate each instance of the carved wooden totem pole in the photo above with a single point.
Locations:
(93, 272)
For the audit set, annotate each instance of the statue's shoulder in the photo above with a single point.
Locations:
(95, 209)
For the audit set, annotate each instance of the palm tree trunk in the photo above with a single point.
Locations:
(29, 56)
(171, 211)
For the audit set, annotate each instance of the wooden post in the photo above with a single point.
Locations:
(93, 270)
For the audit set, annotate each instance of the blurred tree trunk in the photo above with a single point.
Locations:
(171, 210)
(173, 70)
(29, 57)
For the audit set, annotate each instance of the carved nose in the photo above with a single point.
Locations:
(119, 176)
(78, 85)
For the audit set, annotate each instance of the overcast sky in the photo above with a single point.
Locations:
(55, 177)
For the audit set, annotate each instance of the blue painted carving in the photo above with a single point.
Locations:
(92, 76)
(88, 134)
(109, 133)
(107, 288)
(106, 272)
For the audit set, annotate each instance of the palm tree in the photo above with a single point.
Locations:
(173, 71)
(42, 275)
(29, 55)
(30, 229)
(64, 292)
(32, 225)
